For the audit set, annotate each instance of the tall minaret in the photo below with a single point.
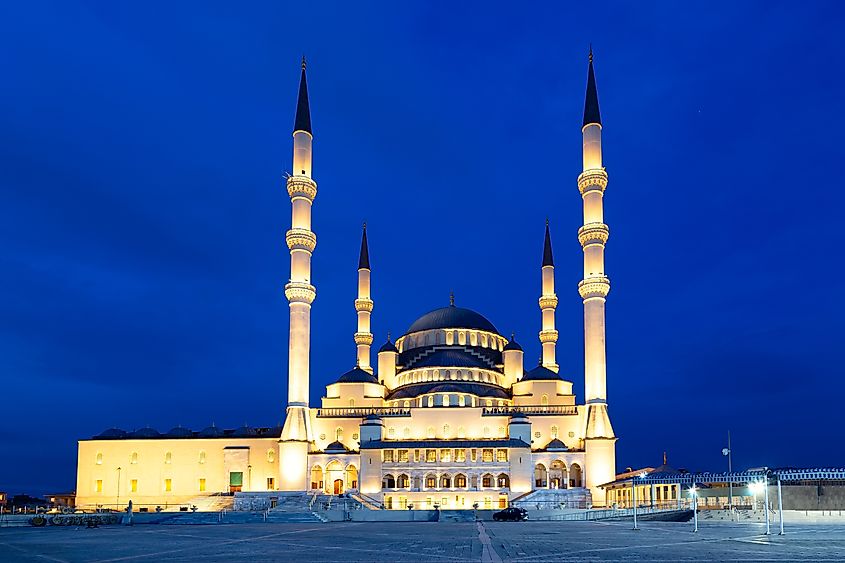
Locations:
(548, 303)
(297, 434)
(600, 442)
(364, 306)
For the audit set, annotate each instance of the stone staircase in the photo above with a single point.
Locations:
(576, 497)
(457, 516)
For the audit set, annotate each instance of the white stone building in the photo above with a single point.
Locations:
(450, 416)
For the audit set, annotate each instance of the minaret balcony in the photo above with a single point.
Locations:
(298, 292)
(548, 336)
(591, 180)
(301, 239)
(365, 338)
(302, 187)
(593, 233)
(364, 305)
(548, 302)
(597, 286)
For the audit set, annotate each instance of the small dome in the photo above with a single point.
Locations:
(211, 432)
(112, 433)
(335, 447)
(372, 417)
(452, 317)
(145, 433)
(245, 432)
(179, 432)
(556, 446)
(357, 375)
(388, 347)
(512, 345)
(541, 373)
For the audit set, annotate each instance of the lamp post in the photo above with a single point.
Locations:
(766, 508)
(780, 507)
(117, 499)
(727, 452)
(634, 501)
(693, 491)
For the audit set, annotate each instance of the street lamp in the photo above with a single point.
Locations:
(727, 453)
(694, 493)
(117, 500)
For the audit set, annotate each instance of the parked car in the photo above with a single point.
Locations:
(511, 515)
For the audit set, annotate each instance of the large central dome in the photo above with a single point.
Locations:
(452, 317)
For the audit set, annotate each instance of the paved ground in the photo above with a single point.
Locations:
(407, 542)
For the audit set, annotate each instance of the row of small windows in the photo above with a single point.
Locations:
(442, 400)
(446, 481)
(450, 338)
(449, 375)
(168, 457)
(446, 455)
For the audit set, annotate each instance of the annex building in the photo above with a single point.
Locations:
(448, 414)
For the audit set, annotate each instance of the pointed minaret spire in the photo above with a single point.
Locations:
(364, 257)
(591, 102)
(303, 112)
(364, 305)
(451, 298)
(548, 260)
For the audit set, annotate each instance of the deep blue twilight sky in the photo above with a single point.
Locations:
(142, 148)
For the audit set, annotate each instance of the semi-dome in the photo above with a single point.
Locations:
(145, 433)
(452, 317)
(245, 432)
(336, 447)
(357, 375)
(211, 432)
(112, 433)
(541, 373)
(179, 432)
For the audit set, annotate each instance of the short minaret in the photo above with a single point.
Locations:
(300, 293)
(548, 304)
(599, 437)
(364, 306)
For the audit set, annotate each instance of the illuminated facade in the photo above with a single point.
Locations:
(449, 415)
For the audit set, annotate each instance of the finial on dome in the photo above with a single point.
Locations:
(591, 54)
(451, 298)
(303, 60)
(388, 336)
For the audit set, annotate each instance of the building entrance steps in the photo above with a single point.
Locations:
(576, 497)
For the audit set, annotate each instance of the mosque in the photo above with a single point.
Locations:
(449, 415)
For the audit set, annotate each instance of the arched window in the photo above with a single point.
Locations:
(487, 481)
(168, 458)
(391, 433)
(134, 458)
(338, 434)
(402, 482)
(351, 402)
(554, 432)
(462, 401)
(445, 482)
(271, 456)
(460, 481)
(502, 481)
(99, 459)
(502, 432)
(445, 400)
(430, 481)
(407, 404)
(202, 457)
(544, 401)
(388, 482)
(431, 400)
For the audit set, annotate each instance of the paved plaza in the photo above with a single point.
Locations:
(382, 542)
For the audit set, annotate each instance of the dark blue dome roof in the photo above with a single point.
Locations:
(180, 432)
(357, 375)
(145, 433)
(388, 347)
(452, 317)
(112, 433)
(211, 432)
(541, 373)
(336, 447)
(512, 345)
(245, 432)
